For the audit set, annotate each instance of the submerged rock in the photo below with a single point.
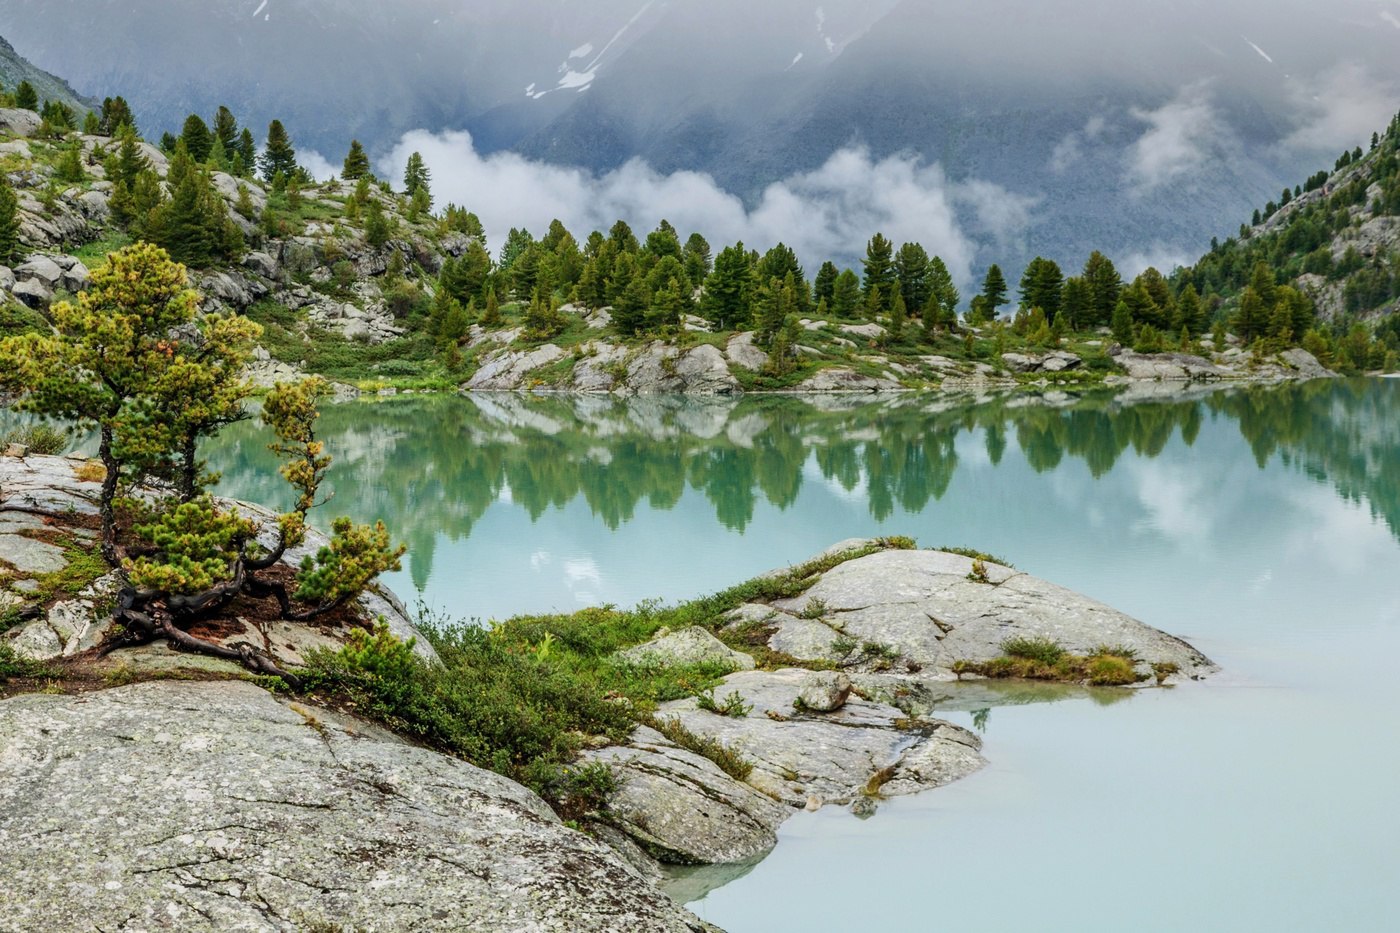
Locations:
(212, 806)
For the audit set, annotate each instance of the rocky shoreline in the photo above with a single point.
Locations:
(184, 802)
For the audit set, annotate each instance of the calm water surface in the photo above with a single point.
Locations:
(1260, 524)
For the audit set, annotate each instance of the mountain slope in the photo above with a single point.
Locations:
(14, 68)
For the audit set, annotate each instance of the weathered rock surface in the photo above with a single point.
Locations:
(692, 645)
(1053, 362)
(742, 352)
(824, 692)
(923, 605)
(503, 370)
(1168, 366)
(830, 755)
(212, 806)
(682, 809)
(839, 379)
(15, 121)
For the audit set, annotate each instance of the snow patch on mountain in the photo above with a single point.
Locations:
(1262, 54)
(582, 78)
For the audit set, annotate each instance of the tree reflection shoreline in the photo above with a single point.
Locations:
(449, 459)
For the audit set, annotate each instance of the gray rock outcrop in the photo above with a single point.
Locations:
(692, 645)
(925, 606)
(839, 379)
(212, 806)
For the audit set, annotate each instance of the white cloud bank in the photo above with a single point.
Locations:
(830, 212)
(1179, 136)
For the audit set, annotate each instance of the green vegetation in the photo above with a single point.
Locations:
(731, 705)
(132, 359)
(1046, 659)
(12, 666)
(39, 438)
(524, 696)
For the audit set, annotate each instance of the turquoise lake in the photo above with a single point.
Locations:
(1262, 524)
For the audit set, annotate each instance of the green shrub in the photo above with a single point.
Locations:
(732, 705)
(39, 438)
(728, 760)
(1043, 650)
(1107, 670)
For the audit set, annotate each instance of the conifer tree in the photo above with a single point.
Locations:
(1122, 323)
(879, 271)
(11, 250)
(931, 317)
(993, 291)
(1076, 303)
(116, 113)
(491, 317)
(279, 157)
(376, 224)
(247, 152)
(629, 314)
(1252, 315)
(194, 225)
(911, 274)
(416, 177)
(940, 282)
(874, 301)
(226, 131)
(899, 315)
(26, 98)
(1104, 286)
(669, 304)
(726, 300)
(1042, 286)
(824, 285)
(70, 165)
(698, 261)
(1190, 313)
(845, 295)
(198, 141)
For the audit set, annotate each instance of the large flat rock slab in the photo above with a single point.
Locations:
(927, 606)
(30, 555)
(212, 806)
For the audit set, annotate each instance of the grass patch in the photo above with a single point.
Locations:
(12, 665)
(85, 567)
(17, 320)
(977, 555)
(728, 760)
(95, 253)
(1044, 659)
(39, 438)
(732, 705)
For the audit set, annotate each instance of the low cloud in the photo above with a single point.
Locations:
(1342, 109)
(828, 213)
(1158, 256)
(1070, 150)
(1180, 135)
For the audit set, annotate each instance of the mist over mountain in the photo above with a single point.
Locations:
(1136, 127)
